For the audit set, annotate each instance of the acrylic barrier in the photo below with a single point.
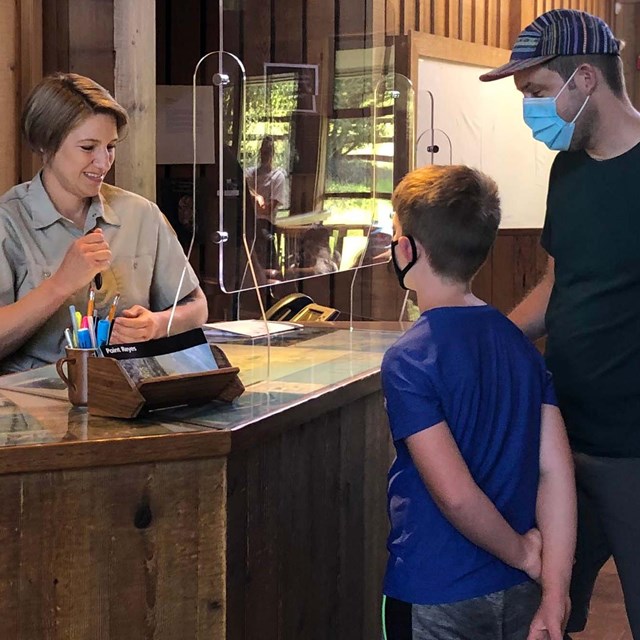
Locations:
(293, 165)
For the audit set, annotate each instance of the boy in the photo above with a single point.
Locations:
(483, 476)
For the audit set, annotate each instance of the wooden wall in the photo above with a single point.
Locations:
(40, 36)
(515, 264)
(132, 551)
(307, 529)
(492, 22)
(9, 81)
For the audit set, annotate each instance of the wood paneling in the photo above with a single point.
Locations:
(91, 50)
(467, 17)
(514, 266)
(135, 90)
(31, 39)
(307, 529)
(9, 85)
(135, 551)
(453, 19)
(492, 22)
(41, 36)
(440, 19)
(79, 35)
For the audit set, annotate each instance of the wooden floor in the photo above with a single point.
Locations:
(607, 620)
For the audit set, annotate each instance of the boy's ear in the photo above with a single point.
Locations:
(404, 245)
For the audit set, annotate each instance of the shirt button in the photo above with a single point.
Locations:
(46, 274)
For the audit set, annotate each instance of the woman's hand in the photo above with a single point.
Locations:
(87, 256)
(136, 324)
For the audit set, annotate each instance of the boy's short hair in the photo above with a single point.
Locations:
(59, 103)
(454, 213)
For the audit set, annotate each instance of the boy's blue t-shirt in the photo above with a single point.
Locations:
(474, 369)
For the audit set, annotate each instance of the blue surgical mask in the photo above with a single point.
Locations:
(541, 116)
(401, 273)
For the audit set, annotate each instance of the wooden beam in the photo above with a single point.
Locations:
(427, 45)
(527, 13)
(466, 19)
(392, 26)
(135, 90)
(493, 26)
(408, 16)
(31, 37)
(439, 18)
(425, 25)
(9, 82)
(480, 22)
(454, 19)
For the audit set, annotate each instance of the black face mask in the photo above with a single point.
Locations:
(401, 273)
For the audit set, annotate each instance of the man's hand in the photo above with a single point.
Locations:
(85, 257)
(136, 324)
(551, 618)
(532, 564)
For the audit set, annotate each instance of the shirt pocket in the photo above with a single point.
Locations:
(32, 273)
(131, 277)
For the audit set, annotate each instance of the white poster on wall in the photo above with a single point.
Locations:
(484, 123)
(174, 128)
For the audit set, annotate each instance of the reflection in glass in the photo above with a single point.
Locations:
(306, 159)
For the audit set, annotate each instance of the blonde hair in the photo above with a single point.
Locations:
(59, 103)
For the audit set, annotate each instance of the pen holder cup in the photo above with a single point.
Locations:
(76, 377)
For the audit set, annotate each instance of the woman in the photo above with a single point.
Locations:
(60, 230)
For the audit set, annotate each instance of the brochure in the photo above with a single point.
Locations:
(183, 353)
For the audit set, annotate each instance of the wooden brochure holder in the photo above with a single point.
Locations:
(112, 393)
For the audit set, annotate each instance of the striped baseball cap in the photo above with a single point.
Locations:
(560, 32)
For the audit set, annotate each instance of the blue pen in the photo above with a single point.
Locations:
(84, 339)
(104, 327)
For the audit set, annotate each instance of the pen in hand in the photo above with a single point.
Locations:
(97, 279)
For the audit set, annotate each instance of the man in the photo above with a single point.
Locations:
(267, 184)
(567, 65)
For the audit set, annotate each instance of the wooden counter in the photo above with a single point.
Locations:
(262, 520)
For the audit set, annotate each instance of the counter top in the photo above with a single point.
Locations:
(306, 372)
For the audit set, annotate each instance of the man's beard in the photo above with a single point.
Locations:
(586, 126)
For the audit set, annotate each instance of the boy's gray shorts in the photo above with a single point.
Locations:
(503, 615)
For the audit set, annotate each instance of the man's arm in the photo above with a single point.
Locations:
(556, 518)
(451, 485)
(529, 314)
(138, 324)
